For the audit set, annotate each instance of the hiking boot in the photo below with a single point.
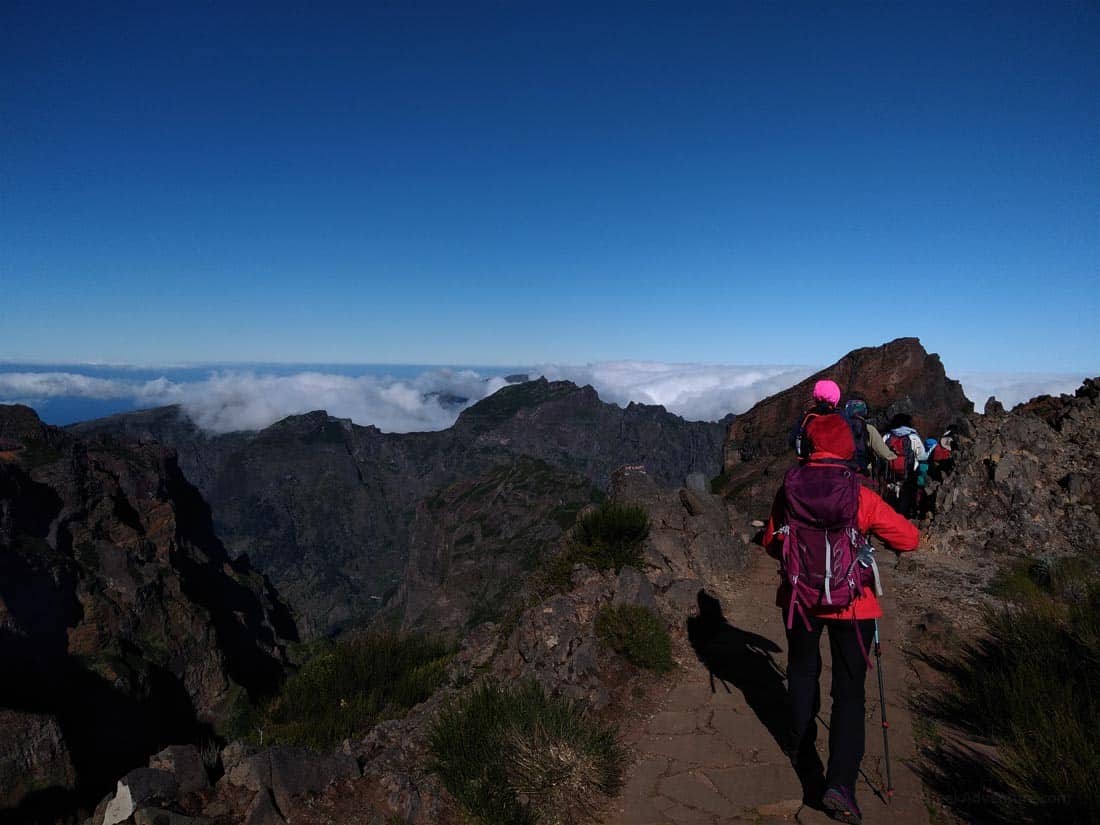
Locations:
(840, 802)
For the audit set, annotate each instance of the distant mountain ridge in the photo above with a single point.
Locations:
(326, 507)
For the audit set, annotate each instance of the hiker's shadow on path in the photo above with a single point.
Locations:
(742, 659)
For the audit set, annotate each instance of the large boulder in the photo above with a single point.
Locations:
(289, 772)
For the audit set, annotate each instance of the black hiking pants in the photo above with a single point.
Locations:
(849, 643)
(905, 503)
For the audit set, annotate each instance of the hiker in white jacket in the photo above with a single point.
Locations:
(907, 444)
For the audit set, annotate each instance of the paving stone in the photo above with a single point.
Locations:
(681, 815)
(784, 809)
(673, 722)
(691, 749)
(750, 786)
(693, 692)
(738, 725)
(643, 775)
(693, 791)
(639, 810)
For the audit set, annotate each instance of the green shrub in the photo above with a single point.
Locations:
(518, 756)
(349, 685)
(636, 633)
(611, 536)
(1032, 686)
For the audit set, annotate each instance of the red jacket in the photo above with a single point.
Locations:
(874, 516)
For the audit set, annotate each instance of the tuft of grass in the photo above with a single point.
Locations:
(518, 756)
(1030, 580)
(638, 634)
(350, 685)
(1032, 687)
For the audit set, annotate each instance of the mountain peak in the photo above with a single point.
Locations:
(506, 402)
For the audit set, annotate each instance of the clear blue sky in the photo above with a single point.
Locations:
(520, 182)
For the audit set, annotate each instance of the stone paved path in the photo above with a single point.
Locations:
(705, 757)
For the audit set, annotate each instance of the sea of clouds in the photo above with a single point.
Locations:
(224, 400)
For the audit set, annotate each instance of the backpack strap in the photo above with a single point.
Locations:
(789, 560)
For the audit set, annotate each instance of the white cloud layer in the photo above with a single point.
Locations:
(249, 400)
(39, 385)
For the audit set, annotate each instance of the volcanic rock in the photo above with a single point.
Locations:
(184, 762)
(290, 772)
(1027, 482)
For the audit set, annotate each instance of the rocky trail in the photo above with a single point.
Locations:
(705, 754)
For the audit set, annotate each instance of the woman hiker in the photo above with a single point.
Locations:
(824, 491)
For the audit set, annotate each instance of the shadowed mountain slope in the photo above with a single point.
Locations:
(125, 619)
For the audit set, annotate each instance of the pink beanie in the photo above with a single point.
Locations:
(827, 391)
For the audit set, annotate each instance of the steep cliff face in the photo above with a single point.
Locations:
(126, 620)
(328, 510)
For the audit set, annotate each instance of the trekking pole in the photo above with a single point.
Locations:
(882, 708)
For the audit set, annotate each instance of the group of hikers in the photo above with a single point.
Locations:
(851, 482)
(897, 465)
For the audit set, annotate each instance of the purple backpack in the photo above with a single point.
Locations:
(825, 559)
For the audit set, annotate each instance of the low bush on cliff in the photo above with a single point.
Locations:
(350, 685)
(609, 537)
(1028, 580)
(636, 633)
(518, 756)
(1030, 687)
